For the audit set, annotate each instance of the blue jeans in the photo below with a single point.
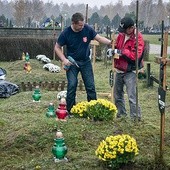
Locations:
(129, 80)
(86, 70)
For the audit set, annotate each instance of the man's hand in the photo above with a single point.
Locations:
(110, 44)
(66, 62)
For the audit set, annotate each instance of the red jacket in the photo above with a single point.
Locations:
(126, 61)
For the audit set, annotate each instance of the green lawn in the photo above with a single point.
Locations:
(27, 135)
(154, 39)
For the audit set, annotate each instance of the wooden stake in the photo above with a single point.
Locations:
(162, 123)
(112, 72)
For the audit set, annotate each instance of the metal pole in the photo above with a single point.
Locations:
(86, 20)
(62, 28)
(137, 6)
(54, 36)
(112, 72)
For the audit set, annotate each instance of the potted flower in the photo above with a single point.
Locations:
(117, 150)
(100, 109)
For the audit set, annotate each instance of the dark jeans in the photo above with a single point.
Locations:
(86, 70)
(129, 80)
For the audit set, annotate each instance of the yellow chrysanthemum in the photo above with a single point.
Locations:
(100, 109)
(113, 148)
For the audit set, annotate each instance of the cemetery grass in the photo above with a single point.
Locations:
(154, 39)
(27, 135)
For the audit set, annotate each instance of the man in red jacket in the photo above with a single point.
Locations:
(125, 67)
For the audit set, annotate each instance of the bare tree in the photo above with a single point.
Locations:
(48, 8)
(145, 12)
(55, 10)
(168, 13)
(27, 10)
(19, 13)
(37, 10)
(160, 12)
(151, 12)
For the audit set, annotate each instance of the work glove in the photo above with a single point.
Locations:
(110, 52)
